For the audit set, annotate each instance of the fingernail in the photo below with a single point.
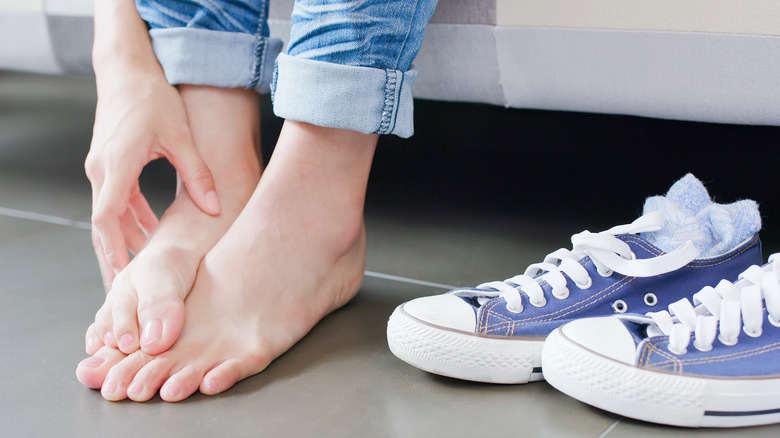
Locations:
(109, 386)
(136, 388)
(94, 361)
(212, 202)
(152, 333)
(108, 339)
(171, 391)
(126, 341)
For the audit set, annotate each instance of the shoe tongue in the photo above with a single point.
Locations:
(475, 301)
(690, 215)
(637, 330)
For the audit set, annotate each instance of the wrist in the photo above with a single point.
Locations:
(121, 42)
(124, 66)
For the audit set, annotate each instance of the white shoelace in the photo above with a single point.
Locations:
(607, 252)
(723, 308)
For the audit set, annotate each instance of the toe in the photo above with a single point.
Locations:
(162, 320)
(182, 384)
(93, 341)
(92, 371)
(121, 375)
(227, 374)
(124, 315)
(150, 378)
(104, 324)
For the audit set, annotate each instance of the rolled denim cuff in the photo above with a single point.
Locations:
(363, 99)
(216, 58)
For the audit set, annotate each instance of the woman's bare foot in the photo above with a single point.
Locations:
(296, 253)
(145, 306)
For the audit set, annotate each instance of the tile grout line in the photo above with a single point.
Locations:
(21, 214)
(609, 429)
(408, 280)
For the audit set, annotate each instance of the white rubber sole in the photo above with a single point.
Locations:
(658, 397)
(462, 355)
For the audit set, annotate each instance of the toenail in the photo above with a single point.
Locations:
(91, 342)
(136, 388)
(212, 387)
(126, 341)
(108, 339)
(152, 333)
(94, 361)
(171, 391)
(109, 386)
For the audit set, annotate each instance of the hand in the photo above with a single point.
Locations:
(139, 118)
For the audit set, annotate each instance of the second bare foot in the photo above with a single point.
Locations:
(296, 253)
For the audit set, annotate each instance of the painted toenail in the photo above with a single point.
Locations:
(126, 341)
(109, 386)
(136, 388)
(171, 391)
(151, 333)
(94, 361)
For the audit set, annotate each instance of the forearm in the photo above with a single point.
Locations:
(122, 45)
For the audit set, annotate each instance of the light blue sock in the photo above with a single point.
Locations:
(690, 215)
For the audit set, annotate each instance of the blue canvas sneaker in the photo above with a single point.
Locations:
(495, 331)
(713, 365)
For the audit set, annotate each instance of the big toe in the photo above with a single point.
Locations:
(161, 320)
(92, 371)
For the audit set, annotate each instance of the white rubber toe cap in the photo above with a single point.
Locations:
(446, 311)
(605, 336)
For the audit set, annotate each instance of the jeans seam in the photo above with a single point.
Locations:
(390, 110)
(260, 51)
(259, 62)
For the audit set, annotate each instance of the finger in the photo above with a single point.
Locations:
(112, 203)
(106, 273)
(134, 237)
(197, 178)
(144, 214)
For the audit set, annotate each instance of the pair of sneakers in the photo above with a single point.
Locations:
(591, 320)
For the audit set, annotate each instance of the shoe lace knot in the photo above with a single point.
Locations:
(722, 310)
(608, 253)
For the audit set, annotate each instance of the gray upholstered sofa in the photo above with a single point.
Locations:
(702, 60)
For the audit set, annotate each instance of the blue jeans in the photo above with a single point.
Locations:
(347, 65)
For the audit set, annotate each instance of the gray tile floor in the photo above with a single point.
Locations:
(341, 380)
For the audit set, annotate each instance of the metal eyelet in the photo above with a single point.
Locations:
(540, 304)
(651, 299)
(605, 273)
(620, 306)
(773, 321)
